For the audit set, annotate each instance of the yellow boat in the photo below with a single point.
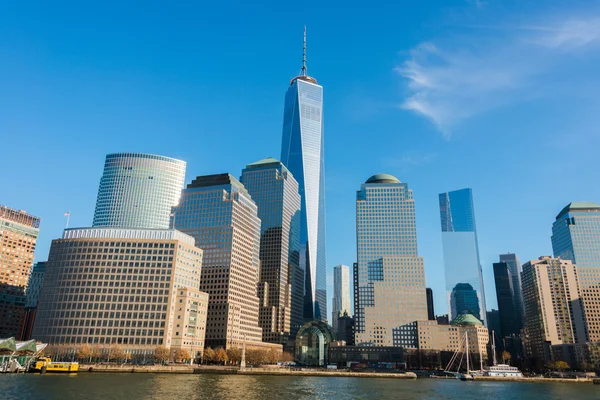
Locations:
(45, 364)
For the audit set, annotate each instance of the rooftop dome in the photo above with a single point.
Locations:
(466, 320)
(383, 178)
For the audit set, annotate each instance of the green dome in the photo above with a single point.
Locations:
(383, 178)
(466, 320)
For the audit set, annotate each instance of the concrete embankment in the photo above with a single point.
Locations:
(541, 379)
(159, 369)
(306, 372)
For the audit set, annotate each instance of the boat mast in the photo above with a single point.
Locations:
(467, 344)
(494, 346)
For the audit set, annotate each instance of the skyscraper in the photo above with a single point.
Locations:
(576, 237)
(18, 236)
(430, 308)
(389, 289)
(220, 214)
(461, 251)
(302, 154)
(553, 309)
(464, 300)
(281, 287)
(341, 293)
(514, 268)
(510, 321)
(138, 190)
(36, 279)
(137, 288)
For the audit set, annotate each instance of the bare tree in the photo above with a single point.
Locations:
(85, 352)
(273, 356)
(285, 356)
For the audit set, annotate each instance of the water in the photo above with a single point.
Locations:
(109, 386)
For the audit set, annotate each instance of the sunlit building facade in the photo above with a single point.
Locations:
(138, 190)
(18, 235)
(219, 213)
(461, 250)
(281, 285)
(134, 288)
(576, 237)
(389, 276)
(302, 153)
(341, 294)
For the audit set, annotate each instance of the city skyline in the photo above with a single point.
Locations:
(98, 88)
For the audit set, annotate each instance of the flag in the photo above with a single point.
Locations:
(68, 214)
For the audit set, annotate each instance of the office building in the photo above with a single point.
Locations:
(345, 328)
(136, 288)
(138, 190)
(576, 237)
(219, 213)
(18, 236)
(281, 284)
(430, 308)
(341, 293)
(389, 290)
(433, 336)
(553, 308)
(514, 268)
(36, 279)
(461, 253)
(302, 153)
(507, 300)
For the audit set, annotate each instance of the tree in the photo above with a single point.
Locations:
(209, 355)
(116, 352)
(161, 354)
(181, 355)
(85, 352)
(506, 356)
(559, 365)
(586, 366)
(95, 353)
(234, 354)
(285, 356)
(221, 355)
(273, 356)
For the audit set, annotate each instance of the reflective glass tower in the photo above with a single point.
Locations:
(576, 237)
(461, 254)
(138, 190)
(281, 286)
(341, 293)
(302, 154)
(389, 276)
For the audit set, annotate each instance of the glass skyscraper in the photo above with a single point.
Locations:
(461, 252)
(138, 190)
(341, 293)
(510, 321)
(389, 276)
(514, 268)
(576, 237)
(302, 154)
(281, 287)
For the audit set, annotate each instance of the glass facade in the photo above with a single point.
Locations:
(302, 154)
(576, 237)
(510, 322)
(389, 276)
(218, 212)
(281, 288)
(461, 251)
(514, 269)
(138, 190)
(341, 293)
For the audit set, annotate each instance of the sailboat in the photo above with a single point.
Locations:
(463, 376)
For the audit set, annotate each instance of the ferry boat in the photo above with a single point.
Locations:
(504, 370)
(45, 364)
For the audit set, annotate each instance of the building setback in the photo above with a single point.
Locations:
(576, 237)
(461, 254)
(18, 236)
(302, 153)
(219, 213)
(553, 308)
(341, 294)
(137, 288)
(389, 290)
(281, 286)
(138, 190)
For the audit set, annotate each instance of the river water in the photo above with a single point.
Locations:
(128, 386)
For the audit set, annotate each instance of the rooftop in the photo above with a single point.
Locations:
(263, 162)
(579, 206)
(466, 320)
(383, 178)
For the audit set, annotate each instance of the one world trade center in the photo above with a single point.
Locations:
(302, 153)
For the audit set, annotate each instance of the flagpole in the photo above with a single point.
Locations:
(68, 214)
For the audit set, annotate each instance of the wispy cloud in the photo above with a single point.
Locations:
(413, 159)
(452, 79)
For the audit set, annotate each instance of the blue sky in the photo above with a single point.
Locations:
(502, 97)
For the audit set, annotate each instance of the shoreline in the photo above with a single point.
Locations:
(188, 369)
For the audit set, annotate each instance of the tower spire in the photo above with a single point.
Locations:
(304, 54)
